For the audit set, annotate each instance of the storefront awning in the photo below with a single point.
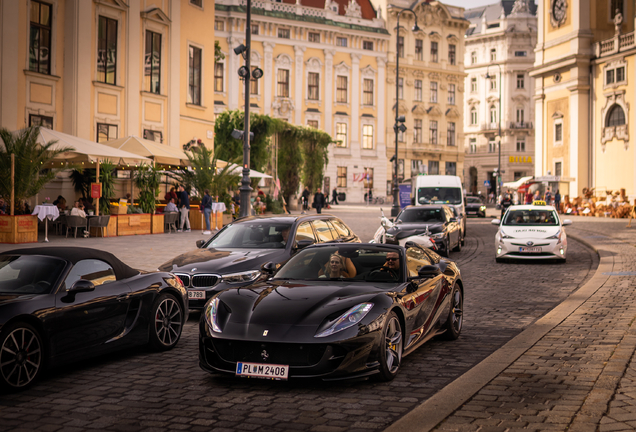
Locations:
(518, 183)
(160, 153)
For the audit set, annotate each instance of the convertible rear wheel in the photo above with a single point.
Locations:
(391, 356)
(21, 356)
(167, 323)
(455, 318)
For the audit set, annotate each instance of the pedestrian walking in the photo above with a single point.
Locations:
(548, 197)
(184, 209)
(528, 197)
(305, 199)
(557, 201)
(334, 196)
(319, 201)
(206, 209)
(505, 203)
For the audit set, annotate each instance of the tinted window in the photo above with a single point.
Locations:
(532, 217)
(433, 215)
(439, 195)
(322, 231)
(92, 270)
(305, 232)
(29, 274)
(252, 235)
(415, 259)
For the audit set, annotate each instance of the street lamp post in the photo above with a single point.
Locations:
(498, 133)
(397, 127)
(245, 180)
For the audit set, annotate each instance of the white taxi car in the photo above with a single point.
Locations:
(531, 232)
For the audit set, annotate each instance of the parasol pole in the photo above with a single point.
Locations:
(98, 182)
(12, 182)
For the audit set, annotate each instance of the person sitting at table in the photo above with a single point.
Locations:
(60, 202)
(88, 205)
(170, 195)
(171, 206)
(78, 210)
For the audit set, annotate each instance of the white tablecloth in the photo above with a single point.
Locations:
(44, 211)
(218, 207)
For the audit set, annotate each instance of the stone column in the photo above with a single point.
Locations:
(578, 141)
(174, 100)
(268, 49)
(381, 102)
(539, 134)
(298, 83)
(329, 91)
(355, 101)
(132, 121)
(9, 25)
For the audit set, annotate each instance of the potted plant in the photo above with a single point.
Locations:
(148, 179)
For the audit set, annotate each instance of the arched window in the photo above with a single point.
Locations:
(493, 114)
(473, 116)
(616, 116)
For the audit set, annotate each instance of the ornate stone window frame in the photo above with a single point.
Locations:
(614, 65)
(620, 132)
(342, 69)
(368, 72)
(283, 107)
(314, 65)
(365, 121)
(255, 61)
(557, 120)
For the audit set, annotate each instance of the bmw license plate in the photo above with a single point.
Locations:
(196, 295)
(530, 249)
(260, 370)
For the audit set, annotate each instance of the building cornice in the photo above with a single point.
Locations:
(565, 62)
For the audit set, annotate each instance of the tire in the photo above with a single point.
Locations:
(21, 356)
(455, 319)
(446, 252)
(458, 248)
(166, 323)
(463, 241)
(391, 348)
(499, 260)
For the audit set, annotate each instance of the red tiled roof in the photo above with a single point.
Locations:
(368, 12)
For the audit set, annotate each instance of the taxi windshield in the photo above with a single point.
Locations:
(532, 217)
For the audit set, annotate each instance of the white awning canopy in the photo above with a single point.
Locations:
(518, 183)
(238, 170)
(160, 153)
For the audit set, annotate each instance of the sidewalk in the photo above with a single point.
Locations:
(573, 369)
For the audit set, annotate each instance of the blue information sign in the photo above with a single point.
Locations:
(487, 183)
(405, 195)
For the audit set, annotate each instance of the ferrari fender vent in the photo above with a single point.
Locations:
(204, 281)
(278, 353)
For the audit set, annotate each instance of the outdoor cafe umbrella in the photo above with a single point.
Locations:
(160, 153)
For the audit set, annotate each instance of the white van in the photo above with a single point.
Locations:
(442, 189)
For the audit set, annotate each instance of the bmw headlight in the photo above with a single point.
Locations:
(437, 235)
(242, 277)
(211, 315)
(348, 319)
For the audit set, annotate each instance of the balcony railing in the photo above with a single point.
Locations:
(520, 125)
(489, 126)
(619, 43)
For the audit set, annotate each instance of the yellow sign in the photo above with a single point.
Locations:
(520, 159)
(537, 202)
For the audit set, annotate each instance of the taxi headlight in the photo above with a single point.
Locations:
(505, 236)
(242, 277)
(557, 236)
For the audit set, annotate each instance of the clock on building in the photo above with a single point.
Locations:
(558, 10)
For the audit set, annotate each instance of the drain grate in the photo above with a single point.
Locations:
(620, 273)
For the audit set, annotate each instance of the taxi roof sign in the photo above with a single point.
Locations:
(539, 203)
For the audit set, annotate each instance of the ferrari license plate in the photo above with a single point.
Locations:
(530, 249)
(196, 295)
(260, 370)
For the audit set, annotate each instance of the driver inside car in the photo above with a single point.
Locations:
(392, 261)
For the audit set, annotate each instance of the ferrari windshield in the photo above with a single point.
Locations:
(29, 274)
(531, 217)
(257, 234)
(439, 195)
(344, 262)
(424, 215)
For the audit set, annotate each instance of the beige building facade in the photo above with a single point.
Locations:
(585, 85)
(430, 89)
(105, 69)
(324, 66)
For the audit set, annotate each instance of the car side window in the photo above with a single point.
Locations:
(93, 270)
(341, 228)
(415, 259)
(323, 231)
(304, 232)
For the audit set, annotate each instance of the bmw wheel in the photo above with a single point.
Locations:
(21, 356)
(455, 318)
(166, 323)
(392, 345)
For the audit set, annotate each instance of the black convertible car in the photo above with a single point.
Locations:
(233, 257)
(438, 221)
(60, 305)
(309, 320)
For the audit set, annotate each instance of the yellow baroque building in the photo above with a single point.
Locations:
(324, 66)
(584, 95)
(106, 69)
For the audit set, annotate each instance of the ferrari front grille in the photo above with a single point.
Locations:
(204, 281)
(277, 353)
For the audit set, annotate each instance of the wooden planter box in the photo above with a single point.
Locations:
(18, 229)
(134, 224)
(157, 224)
(226, 218)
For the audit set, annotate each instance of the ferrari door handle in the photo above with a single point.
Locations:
(122, 297)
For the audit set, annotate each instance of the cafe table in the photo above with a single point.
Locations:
(217, 207)
(45, 212)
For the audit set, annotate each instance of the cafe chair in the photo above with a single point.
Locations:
(75, 222)
(170, 221)
(58, 224)
(99, 222)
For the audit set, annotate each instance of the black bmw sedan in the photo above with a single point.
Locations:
(61, 305)
(333, 311)
(435, 220)
(233, 257)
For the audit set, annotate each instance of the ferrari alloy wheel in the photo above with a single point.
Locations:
(391, 355)
(21, 356)
(455, 318)
(166, 324)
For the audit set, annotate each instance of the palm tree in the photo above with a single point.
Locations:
(30, 159)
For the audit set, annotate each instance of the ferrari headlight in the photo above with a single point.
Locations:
(437, 235)
(242, 277)
(348, 319)
(211, 312)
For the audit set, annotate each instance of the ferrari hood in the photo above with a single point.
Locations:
(536, 232)
(223, 261)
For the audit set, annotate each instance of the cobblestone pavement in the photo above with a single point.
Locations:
(581, 376)
(137, 390)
